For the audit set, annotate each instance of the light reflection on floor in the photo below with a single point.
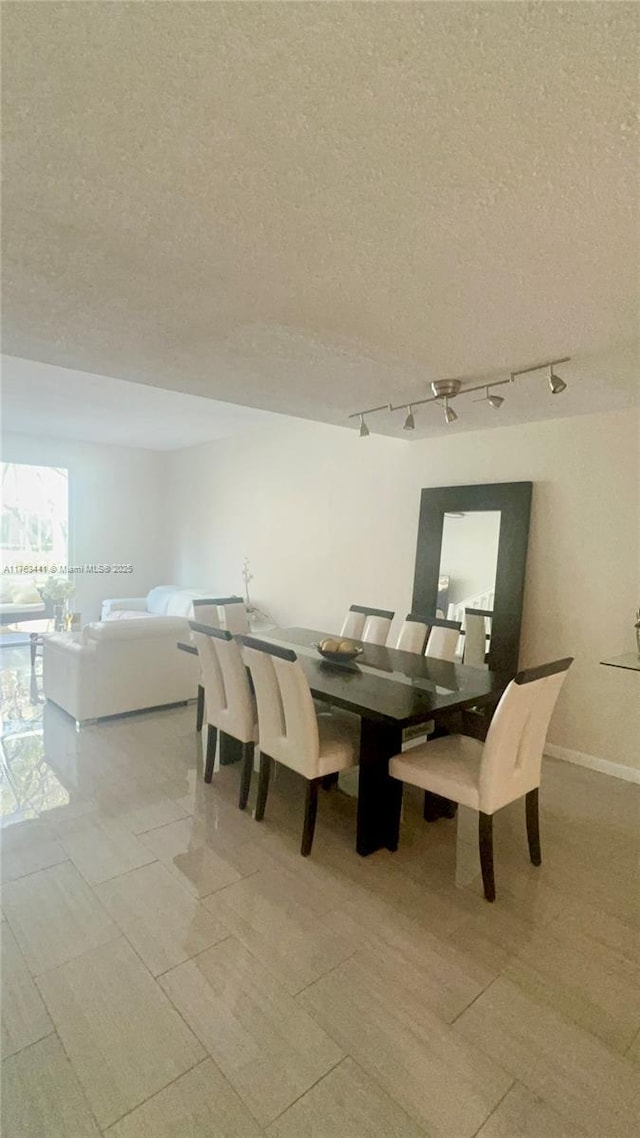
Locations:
(30, 786)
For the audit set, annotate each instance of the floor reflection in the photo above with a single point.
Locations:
(30, 786)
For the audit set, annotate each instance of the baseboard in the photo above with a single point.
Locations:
(616, 770)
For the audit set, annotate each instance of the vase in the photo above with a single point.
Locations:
(59, 614)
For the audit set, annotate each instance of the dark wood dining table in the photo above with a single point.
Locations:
(389, 690)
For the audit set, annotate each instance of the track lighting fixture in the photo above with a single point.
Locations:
(445, 389)
(449, 413)
(555, 382)
(491, 398)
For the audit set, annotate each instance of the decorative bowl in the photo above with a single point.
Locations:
(338, 651)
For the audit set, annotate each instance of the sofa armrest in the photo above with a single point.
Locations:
(134, 604)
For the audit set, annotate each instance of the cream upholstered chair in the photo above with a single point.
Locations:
(443, 639)
(229, 704)
(292, 733)
(369, 625)
(413, 633)
(475, 637)
(488, 776)
(219, 612)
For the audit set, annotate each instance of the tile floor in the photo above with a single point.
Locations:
(173, 969)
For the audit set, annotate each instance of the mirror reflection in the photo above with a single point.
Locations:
(467, 578)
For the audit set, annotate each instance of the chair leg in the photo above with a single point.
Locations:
(212, 739)
(485, 835)
(330, 780)
(310, 811)
(245, 777)
(200, 708)
(533, 826)
(263, 786)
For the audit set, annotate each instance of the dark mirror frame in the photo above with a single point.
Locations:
(513, 500)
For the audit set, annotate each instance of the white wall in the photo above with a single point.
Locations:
(328, 519)
(116, 513)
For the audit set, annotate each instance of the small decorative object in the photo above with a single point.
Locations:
(58, 590)
(246, 577)
(637, 627)
(338, 651)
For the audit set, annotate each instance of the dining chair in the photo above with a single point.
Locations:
(487, 776)
(475, 637)
(291, 731)
(443, 638)
(413, 634)
(227, 612)
(366, 624)
(229, 703)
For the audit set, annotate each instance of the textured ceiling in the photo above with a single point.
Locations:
(43, 399)
(312, 208)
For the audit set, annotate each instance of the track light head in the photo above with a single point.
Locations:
(556, 383)
(495, 401)
(364, 430)
(449, 413)
(409, 423)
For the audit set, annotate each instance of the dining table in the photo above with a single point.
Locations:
(390, 690)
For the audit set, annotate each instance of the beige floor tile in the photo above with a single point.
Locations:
(633, 1051)
(163, 922)
(578, 918)
(29, 857)
(584, 1082)
(416, 1058)
(35, 831)
(281, 926)
(101, 848)
(200, 1104)
(183, 847)
(41, 1096)
(345, 1104)
(585, 981)
(55, 916)
(159, 812)
(523, 1115)
(123, 1037)
(270, 1050)
(400, 956)
(24, 1016)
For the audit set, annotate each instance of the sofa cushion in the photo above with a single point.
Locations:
(158, 598)
(181, 603)
(149, 626)
(19, 592)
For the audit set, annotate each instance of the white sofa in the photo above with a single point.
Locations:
(113, 667)
(164, 600)
(21, 601)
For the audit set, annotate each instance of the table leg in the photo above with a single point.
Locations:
(379, 795)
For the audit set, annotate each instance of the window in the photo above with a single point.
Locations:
(34, 523)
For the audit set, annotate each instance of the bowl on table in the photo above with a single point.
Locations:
(338, 651)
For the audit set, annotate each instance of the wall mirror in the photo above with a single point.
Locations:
(471, 553)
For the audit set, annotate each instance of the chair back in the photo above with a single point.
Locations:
(443, 639)
(367, 624)
(475, 637)
(512, 753)
(228, 698)
(231, 613)
(413, 634)
(286, 713)
(205, 611)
